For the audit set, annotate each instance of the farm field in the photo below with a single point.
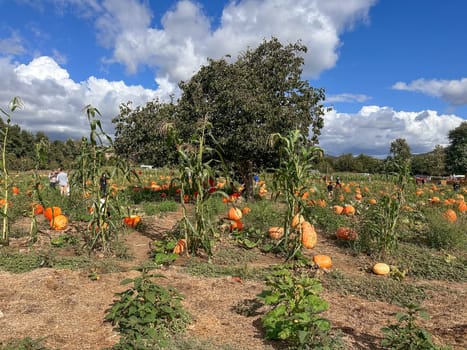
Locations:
(52, 291)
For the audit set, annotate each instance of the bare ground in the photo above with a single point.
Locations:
(67, 307)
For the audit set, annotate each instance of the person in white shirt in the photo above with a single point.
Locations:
(62, 179)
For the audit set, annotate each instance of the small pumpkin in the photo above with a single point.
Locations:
(348, 210)
(38, 208)
(346, 233)
(245, 210)
(338, 209)
(15, 190)
(276, 232)
(132, 220)
(309, 236)
(358, 196)
(59, 222)
(51, 212)
(236, 225)
(323, 261)
(298, 219)
(381, 269)
(180, 246)
(235, 214)
(450, 215)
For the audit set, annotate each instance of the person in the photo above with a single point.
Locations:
(338, 181)
(330, 188)
(103, 184)
(62, 179)
(53, 179)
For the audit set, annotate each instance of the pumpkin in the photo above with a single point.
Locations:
(309, 236)
(59, 222)
(298, 219)
(372, 201)
(381, 269)
(15, 190)
(180, 246)
(462, 206)
(132, 220)
(338, 209)
(245, 210)
(51, 212)
(450, 215)
(358, 196)
(236, 225)
(235, 214)
(276, 232)
(323, 261)
(38, 208)
(348, 210)
(346, 233)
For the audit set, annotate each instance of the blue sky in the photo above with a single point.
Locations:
(391, 68)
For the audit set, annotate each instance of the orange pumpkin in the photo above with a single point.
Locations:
(450, 215)
(298, 219)
(236, 225)
(180, 247)
(245, 210)
(15, 190)
(132, 220)
(38, 208)
(462, 206)
(309, 236)
(358, 196)
(346, 233)
(348, 210)
(59, 222)
(51, 212)
(372, 201)
(338, 209)
(381, 269)
(323, 261)
(276, 232)
(235, 214)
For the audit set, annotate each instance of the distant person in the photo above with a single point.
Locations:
(53, 179)
(103, 184)
(62, 179)
(330, 188)
(338, 181)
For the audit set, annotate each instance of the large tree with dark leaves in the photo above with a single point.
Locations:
(456, 152)
(248, 100)
(139, 136)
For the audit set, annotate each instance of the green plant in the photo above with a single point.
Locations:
(15, 104)
(147, 313)
(162, 252)
(406, 334)
(296, 311)
(26, 343)
(290, 179)
(440, 234)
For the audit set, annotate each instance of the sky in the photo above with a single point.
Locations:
(390, 68)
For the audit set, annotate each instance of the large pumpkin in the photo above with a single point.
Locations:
(59, 222)
(323, 261)
(51, 212)
(235, 214)
(309, 236)
(276, 232)
(346, 233)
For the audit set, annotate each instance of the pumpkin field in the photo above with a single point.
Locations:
(294, 267)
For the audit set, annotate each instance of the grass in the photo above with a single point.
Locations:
(23, 344)
(375, 288)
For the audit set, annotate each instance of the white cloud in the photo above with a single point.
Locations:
(53, 102)
(452, 91)
(346, 97)
(11, 45)
(185, 39)
(373, 128)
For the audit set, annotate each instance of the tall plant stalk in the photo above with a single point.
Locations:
(290, 180)
(15, 104)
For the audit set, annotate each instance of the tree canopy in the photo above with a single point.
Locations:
(456, 152)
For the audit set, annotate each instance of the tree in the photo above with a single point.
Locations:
(399, 156)
(138, 135)
(456, 152)
(246, 101)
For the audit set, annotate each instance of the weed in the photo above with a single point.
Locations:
(406, 334)
(296, 311)
(23, 344)
(147, 313)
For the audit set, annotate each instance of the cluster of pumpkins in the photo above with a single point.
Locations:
(57, 220)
